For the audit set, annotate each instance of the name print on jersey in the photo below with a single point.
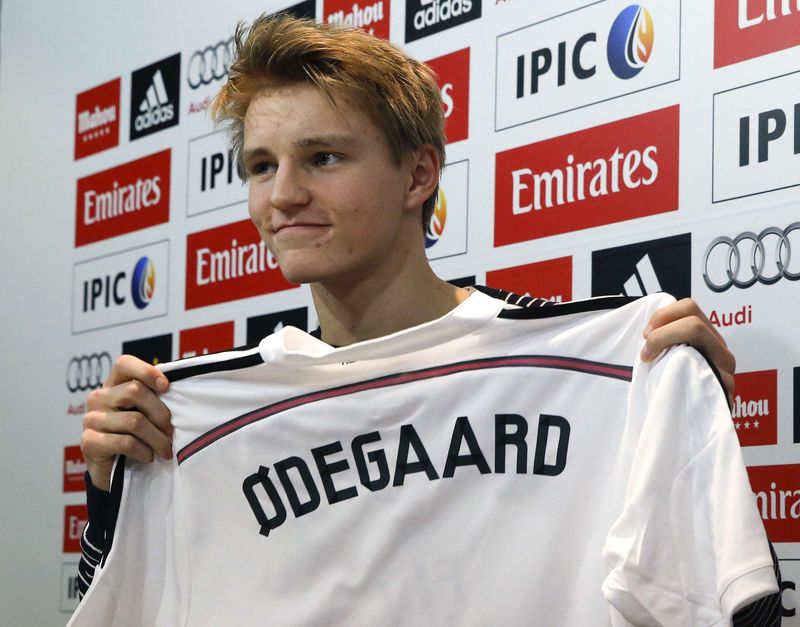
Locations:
(303, 491)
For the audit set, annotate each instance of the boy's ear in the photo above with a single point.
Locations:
(424, 169)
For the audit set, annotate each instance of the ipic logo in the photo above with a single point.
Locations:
(119, 288)
(757, 138)
(644, 268)
(213, 181)
(438, 219)
(109, 290)
(97, 119)
(425, 17)
(155, 97)
(570, 65)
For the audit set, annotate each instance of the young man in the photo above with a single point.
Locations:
(340, 136)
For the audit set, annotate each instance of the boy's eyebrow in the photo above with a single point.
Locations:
(321, 141)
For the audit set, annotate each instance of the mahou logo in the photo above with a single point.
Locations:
(210, 338)
(551, 280)
(74, 467)
(123, 199)
(751, 28)
(452, 75)
(369, 15)
(228, 263)
(97, 119)
(777, 491)
(611, 173)
(755, 407)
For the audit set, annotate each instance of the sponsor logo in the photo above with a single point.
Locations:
(75, 519)
(155, 97)
(259, 327)
(213, 181)
(97, 119)
(154, 350)
(69, 586)
(307, 9)
(777, 491)
(210, 338)
(209, 64)
(610, 173)
(438, 219)
(123, 199)
(551, 280)
(120, 288)
(426, 17)
(796, 399)
(756, 138)
(371, 16)
(659, 265)
(630, 41)
(755, 407)
(446, 235)
(790, 575)
(228, 263)
(452, 76)
(571, 67)
(74, 467)
(751, 258)
(737, 318)
(88, 372)
(76, 410)
(753, 28)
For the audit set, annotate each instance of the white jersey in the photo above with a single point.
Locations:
(497, 466)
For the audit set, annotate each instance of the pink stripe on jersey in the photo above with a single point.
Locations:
(623, 373)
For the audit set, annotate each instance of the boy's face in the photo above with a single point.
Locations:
(325, 194)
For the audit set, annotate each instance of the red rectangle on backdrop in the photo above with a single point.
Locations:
(123, 199)
(97, 119)
(618, 171)
(228, 263)
(452, 76)
(755, 407)
(777, 490)
(752, 28)
(551, 280)
(75, 519)
(369, 15)
(210, 338)
(74, 467)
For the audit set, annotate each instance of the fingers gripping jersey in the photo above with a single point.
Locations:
(494, 466)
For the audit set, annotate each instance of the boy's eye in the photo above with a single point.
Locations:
(325, 158)
(262, 167)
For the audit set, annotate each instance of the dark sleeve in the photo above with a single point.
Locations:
(766, 612)
(98, 502)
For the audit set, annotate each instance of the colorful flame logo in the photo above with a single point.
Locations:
(630, 41)
(143, 285)
(439, 217)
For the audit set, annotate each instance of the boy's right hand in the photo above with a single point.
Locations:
(126, 417)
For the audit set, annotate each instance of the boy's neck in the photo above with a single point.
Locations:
(381, 305)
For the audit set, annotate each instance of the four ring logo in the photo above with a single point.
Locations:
(749, 258)
(88, 372)
(210, 64)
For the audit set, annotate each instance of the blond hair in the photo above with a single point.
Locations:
(399, 94)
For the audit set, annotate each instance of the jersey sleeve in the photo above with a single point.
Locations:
(143, 578)
(689, 547)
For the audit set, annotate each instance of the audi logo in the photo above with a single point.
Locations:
(88, 372)
(750, 258)
(210, 64)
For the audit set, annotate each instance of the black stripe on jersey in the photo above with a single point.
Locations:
(512, 298)
(237, 363)
(549, 309)
(613, 371)
(117, 480)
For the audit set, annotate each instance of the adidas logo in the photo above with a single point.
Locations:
(643, 280)
(156, 107)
